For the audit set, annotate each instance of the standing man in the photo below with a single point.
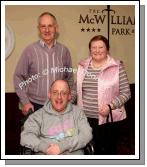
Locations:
(40, 64)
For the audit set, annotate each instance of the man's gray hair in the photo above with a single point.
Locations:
(49, 14)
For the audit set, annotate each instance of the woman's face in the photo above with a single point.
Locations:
(98, 50)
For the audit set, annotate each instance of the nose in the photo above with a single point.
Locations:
(97, 49)
(59, 95)
(47, 29)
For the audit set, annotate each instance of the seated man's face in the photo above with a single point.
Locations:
(59, 95)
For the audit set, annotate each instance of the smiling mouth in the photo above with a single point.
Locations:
(58, 102)
(47, 34)
(97, 54)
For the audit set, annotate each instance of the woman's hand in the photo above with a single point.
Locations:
(104, 110)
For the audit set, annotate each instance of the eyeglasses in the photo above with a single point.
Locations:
(62, 93)
(44, 27)
(97, 48)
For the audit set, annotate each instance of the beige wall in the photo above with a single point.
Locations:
(23, 21)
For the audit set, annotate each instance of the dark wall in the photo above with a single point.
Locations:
(126, 144)
(12, 124)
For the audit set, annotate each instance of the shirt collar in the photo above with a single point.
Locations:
(44, 44)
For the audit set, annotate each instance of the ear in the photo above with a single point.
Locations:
(49, 95)
(57, 29)
(38, 28)
(69, 97)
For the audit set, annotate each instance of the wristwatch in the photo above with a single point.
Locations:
(9, 40)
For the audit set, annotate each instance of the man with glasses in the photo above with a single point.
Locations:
(59, 127)
(34, 75)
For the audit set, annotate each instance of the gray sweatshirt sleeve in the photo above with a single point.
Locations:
(30, 136)
(82, 137)
(21, 75)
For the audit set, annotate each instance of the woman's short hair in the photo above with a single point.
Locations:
(100, 38)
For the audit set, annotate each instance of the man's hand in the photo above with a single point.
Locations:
(53, 149)
(26, 108)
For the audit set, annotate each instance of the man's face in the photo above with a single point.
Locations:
(47, 28)
(59, 95)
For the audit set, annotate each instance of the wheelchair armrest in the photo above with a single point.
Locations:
(89, 149)
(26, 151)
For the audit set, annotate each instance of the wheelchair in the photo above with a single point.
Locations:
(88, 150)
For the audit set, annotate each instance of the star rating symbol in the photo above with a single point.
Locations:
(93, 29)
(82, 29)
(90, 29)
(98, 29)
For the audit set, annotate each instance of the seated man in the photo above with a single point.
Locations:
(59, 127)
